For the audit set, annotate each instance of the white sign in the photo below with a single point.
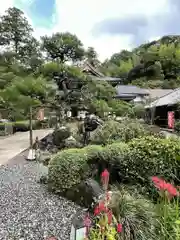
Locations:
(80, 233)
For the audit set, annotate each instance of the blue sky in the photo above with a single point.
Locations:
(107, 25)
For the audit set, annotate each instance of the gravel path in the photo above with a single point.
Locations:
(27, 210)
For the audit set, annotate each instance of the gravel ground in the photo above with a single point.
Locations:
(27, 210)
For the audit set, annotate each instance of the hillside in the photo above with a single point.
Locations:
(155, 64)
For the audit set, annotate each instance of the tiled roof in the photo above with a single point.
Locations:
(169, 99)
(156, 93)
(108, 79)
(129, 89)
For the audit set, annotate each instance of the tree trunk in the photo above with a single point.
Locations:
(30, 128)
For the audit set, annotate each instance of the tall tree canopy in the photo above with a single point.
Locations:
(63, 47)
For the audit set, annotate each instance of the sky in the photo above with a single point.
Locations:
(107, 25)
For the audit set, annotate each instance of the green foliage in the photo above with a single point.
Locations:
(21, 126)
(151, 156)
(63, 47)
(152, 65)
(100, 107)
(67, 169)
(25, 92)
(177, 126)
(15, 29)
(136, 213)
(120, 108)
(137, 111)
(114, 131)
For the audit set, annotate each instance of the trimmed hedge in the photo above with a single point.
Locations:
(22, 126)
(19, 126)
(133, 163)
(67, 168)
(151, 156)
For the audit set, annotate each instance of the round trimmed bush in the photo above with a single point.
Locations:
(67, 169)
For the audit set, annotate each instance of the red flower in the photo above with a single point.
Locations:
(109, 215)
(105, 178)
(119, 228)
(97, 211)
(164, 186)
(102, 207)
(171, 190)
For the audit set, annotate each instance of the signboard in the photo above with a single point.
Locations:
(41, 114)
(80, 233)
(171, 120)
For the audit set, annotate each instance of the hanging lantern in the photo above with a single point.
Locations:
(171, 120)
(105, 178)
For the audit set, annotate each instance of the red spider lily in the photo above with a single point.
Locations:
(97, 211)
(109, 215)
(105, 178)
(171, 190)
(164, 186)
(119, 228)
(100, 208)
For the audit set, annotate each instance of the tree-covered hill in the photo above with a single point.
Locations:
(155, 64)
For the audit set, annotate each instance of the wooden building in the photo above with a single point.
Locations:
(157, 111)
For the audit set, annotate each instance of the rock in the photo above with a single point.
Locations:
(45, 157)
(43, 179)
(71, 142)
(60, 135)
(86, 193)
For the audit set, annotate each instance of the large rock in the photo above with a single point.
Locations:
(86, 193)
(60, 134)
(71, 142)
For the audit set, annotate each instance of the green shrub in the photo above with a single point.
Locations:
(6, 128)
(93, 153)
(177, 126)
(115, 131)
(150, 156)
(136, 213)
(67, 169)
(22, 126)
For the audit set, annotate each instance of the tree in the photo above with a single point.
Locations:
(26, 94)
(63, 47)
(31, 55)
(92, 56)
(14, 29)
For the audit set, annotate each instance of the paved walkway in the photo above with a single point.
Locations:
(15, 144)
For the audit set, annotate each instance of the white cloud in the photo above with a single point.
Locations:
(5, 5)
(80, 17)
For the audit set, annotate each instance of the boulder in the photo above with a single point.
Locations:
(86, 193)
(45, 157)
(71, 142)
(60, 134)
